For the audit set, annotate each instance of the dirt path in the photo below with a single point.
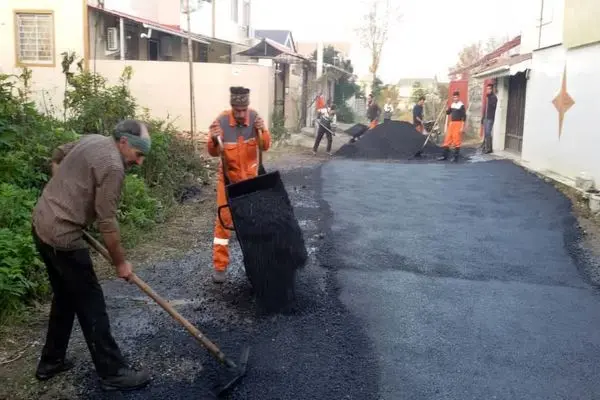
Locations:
(190, 229)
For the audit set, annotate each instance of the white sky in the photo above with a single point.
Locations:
(425, 42)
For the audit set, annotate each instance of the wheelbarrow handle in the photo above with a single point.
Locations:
(195, 332)
(231, 227)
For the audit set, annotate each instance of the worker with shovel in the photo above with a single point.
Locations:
(456, 128)
(241, 130)
(87, 177)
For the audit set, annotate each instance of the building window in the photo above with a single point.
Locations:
(34, 37)
(235, 11)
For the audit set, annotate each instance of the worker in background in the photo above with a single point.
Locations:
(488, 119)
(388, 110)
(242, 131)
(327, 127)
(373, 112)
(86, 183)
(456, 128)
(418, 114)
(319, 105)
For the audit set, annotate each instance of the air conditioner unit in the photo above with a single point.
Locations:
(112, 39)
(166, 46)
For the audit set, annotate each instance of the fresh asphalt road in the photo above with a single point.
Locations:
(425, 281)
(466, 279)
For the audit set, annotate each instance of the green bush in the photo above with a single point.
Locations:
(278, 130)
(21, 272)
(27, 139)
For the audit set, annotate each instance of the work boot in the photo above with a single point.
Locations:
(456, 154)
(445, 154)
(219, 276)
(125, 379)
(47, 370)
(488, 145)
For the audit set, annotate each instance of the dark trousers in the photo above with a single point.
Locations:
(77, 292)
(320, 132)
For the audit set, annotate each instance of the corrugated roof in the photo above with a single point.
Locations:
(490, 56)
(280, 36)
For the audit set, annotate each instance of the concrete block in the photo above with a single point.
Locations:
(594, 203)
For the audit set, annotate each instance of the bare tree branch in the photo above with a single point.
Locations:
(374, 33)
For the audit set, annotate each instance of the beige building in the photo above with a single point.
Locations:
(143, 34)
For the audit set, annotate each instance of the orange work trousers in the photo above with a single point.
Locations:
(454, 135)
(373, 124)
(222, 234)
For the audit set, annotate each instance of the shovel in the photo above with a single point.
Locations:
(240, 370)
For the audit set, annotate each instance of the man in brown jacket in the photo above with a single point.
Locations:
(85, 187)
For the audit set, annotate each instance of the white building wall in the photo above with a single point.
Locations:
(162, 11)
(576, 150)
(226, 28)
(552, 24)
(499, 129)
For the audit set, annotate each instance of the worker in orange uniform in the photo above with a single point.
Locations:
(456, 128)
(241, 130)
(373, 112)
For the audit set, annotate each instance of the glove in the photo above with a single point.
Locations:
(259, 124)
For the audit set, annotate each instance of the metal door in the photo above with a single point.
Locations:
(515, 116)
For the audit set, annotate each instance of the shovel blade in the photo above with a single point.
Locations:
(240, 373)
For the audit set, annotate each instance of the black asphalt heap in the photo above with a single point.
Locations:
(356, 131)
(270, 238)
(395, 140)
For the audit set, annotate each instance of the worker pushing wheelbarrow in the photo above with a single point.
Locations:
(254, 204)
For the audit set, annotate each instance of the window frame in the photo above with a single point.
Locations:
(17, 43)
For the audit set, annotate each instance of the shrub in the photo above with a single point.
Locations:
(278, 130)
(27, 139)
(21, 272)
(345, 114)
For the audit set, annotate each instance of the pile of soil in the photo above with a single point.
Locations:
(395, 140)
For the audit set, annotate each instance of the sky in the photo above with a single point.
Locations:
(425, 42)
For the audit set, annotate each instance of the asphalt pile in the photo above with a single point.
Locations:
(394, 140)
(271, 240)
(356, 130)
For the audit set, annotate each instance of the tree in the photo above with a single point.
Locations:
(475, 51)
(389, 92)
(345, 86)
(443, 89)
(418, 91)
(377, 87)
(374, 30)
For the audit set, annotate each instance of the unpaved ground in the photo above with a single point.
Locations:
(321, 350)
(189, 230)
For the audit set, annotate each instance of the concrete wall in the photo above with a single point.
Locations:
(553, 22)
(293, 98)
(162, 11)
(581, 22)
(68, 32)
(499, 130)
(576, 150)
(168, 95)
(225, 27)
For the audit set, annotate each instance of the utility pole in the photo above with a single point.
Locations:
(214, 18)
(191, 65)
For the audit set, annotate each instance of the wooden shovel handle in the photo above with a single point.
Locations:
(195, 332)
